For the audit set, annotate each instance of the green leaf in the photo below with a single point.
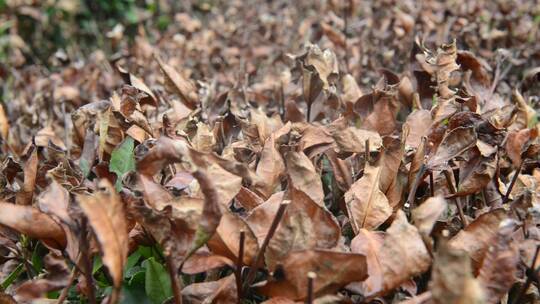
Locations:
(133, 271)
(131, 262)
(132, 295)
(145, 251)
(37, 257)
(13, 276)
(97, 264)
(138, 279)
(122, 160)
(157, 282)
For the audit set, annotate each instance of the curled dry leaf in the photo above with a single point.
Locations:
(34, 223)
(303, 176)
(425, 215)
(227, 239)
(353, 140)
(476, 237)
(499, 265)
(305, 225)
(403, 254)
(220, 291)
(369, 243)
(205, 261)
(418, 125)
(25, 195)
(107, 220)
(476, 174)
(393, 257)
(269, 169)
(55, 202)
(336, 270)
(518, 142)
(57, 277)
(366, 204)
(210, 216)
(453, 144)
(452, 278)
(178, 84)
(164, 151)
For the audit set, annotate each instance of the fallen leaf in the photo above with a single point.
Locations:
(425, 215)
(34, 223)
(107, 220)
(303, 176)
(475, 238)
(452, 278)
(403, 253)
(25, 195)
(220, 291)
(270, 168)
(366, 204)
(181, 86)
(369, 243)
(453, 144)
(336, 270)
(499, 265)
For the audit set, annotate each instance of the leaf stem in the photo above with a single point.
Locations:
(529, 280)
(64, 293)
(512, 182)
(311, 277)
(253, 268)
(431, 184)
(457, 199)
(240, 265)
(85, 248)
(177, 291)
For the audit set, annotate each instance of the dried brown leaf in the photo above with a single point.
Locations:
(336, 271)
(366, 204)
(107, 219)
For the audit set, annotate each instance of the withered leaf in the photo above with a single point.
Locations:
(227, 239)
(303, 176)
(369, 243)
(333, 269)
(270, 168)
(366, 204)
(425, 215)
(107, 219)
(475, 238)
(403, 253)
(453, 144)
(181, 86)
(57, 277)
(34, 223)
(453, 281)
(497, 272)
(25, 195)
(305, 225)
(220, 291)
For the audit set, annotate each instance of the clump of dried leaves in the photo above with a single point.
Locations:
(270, 154)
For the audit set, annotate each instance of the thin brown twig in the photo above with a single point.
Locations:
(347, 6)
(416, 182)
(173, 273)
(529, 280)
(240, 265)
(311, 276)
(431, 184)
(86, 261)
(253, 268)
(64, 293)
(512, 182)
(452, 189)
(366, 151)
